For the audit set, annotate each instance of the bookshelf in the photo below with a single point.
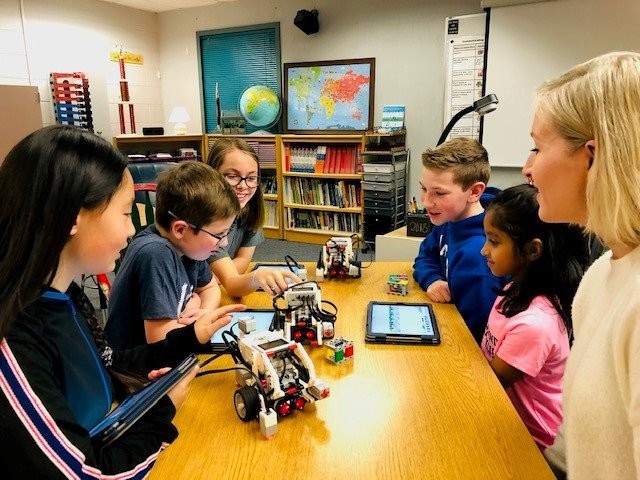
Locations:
(145, 148)
(265, 147)
(321, 188)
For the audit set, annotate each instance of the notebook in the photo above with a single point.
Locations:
(137, 404)
(389, 322)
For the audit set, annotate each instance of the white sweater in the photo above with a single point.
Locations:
(602, 379)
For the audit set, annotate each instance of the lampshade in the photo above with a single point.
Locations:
(178, 117)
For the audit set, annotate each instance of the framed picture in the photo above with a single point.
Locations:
(334, 96)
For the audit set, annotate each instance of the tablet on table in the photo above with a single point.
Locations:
(391, 322)
(264, 321)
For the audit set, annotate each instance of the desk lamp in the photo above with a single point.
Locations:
(179, 117)
(482, 106)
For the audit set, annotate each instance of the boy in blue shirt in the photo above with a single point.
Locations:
(164, 281)
(449, 265)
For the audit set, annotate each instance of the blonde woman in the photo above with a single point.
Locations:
(586, 166)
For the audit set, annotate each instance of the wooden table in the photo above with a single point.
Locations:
(395, 411)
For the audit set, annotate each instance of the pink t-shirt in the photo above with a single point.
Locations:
(536, 343)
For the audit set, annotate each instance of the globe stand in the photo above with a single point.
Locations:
(260, 132)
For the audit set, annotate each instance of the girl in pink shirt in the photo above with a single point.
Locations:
(529, 329)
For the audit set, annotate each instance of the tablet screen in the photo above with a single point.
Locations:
(263, 318)
(403, 322)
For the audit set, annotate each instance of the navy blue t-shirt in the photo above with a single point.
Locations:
(155, 281)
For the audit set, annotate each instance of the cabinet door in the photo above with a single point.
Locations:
(21, 104)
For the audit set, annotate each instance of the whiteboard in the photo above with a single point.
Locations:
(464, 71)
(529, 44)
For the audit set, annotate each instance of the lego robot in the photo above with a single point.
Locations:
(278, 377)
(302, 317)
(337, 260)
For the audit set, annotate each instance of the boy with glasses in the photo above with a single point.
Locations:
(164, 281)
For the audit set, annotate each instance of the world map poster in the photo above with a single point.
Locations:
(336, 96)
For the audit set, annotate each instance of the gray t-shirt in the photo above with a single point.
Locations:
(238, 237)
(154, 281)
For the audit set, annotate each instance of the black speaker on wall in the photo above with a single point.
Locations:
(307, 21)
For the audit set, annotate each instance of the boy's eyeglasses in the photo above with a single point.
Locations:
(252, 181)
(218, 236)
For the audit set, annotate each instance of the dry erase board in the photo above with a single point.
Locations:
(529, 44)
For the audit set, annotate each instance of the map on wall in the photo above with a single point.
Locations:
(336, 96)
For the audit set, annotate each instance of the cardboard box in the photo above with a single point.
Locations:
(418, 225)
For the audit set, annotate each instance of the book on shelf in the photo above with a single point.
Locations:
(322, 159)
(329, 221)
(331, 193)
(393, 117)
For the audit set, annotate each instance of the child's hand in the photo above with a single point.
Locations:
(187, 317)
(179, 393)
(273, 281)
(439, 292)
(194, 302)
(209, 322)
(156, 374)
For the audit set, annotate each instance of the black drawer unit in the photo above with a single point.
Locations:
(385, 162)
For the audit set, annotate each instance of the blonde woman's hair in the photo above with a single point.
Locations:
(600, 100)
(466, 158)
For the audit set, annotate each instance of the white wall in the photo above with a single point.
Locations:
(405, 36)
(529, 44)
(77, 36)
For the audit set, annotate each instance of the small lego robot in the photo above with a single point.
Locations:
(303, 317)
(339, 350)
(398, 284)
(278, 378)
(337, 260)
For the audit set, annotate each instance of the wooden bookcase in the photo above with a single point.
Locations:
(316, 197)
(150, 145)
(321, 186)
(271, 178)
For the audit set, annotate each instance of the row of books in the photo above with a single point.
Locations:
(307, 191)
(266, 153)
(342, 222)
(323, 159)
(270, 214)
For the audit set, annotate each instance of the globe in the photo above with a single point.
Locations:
(260, 106)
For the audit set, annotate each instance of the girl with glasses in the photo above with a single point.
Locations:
(238, 163)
